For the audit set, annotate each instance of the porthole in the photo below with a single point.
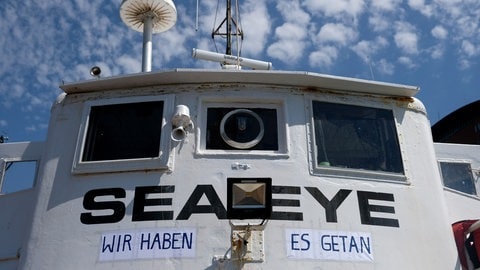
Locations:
(242, 129)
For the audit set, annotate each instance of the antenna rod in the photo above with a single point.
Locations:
(196, 18)
(147, 44)
(229, 27)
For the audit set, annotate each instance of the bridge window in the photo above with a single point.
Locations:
(124, 131)
(458, 176)
(355, 137)
(123, 136)
(17, 175)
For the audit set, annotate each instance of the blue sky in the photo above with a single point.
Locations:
(433, 44)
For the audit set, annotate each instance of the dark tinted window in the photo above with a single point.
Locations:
(458, 176)
(124, 131)
(356, 137)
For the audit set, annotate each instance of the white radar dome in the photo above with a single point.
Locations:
(162, 12)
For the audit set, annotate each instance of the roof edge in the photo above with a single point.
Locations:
(199, 76)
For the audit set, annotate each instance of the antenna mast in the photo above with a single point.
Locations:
(148, 16)
(229, 61)
(229, 21)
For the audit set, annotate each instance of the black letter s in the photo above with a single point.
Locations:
(89, 203)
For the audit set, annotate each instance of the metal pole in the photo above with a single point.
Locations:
(147, 44)
(229, 27)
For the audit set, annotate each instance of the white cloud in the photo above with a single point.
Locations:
(35, 101)
(337, 8)
(366, 49)
(385, 67)
(464, 64)
(456, 26)
(406, 38)
(323, 57)
(467, 26)
(448, 2)
(439, 32)
(437, 52)
(291, 31)
(336, 33)
(290, 44)
(31, 128)
(379, 22)
(292, 12)
(386, 5)
(407, 62)
(407, 41)
(17, 91)
(420, 5)
(469, 49)
(256, 24)
(171, 44)
(129, 64)
(452, 7)
(287, 51)
(291, 36)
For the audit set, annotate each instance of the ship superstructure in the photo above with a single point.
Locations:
(234, 169)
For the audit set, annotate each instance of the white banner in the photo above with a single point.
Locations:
(148, 244)
(328, 245)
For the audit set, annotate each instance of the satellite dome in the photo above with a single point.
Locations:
(162, 12)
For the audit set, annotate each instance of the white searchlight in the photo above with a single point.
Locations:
(181, 123)
(231, 59)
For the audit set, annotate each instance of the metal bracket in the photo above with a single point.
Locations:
(247, 245)
(238, 166)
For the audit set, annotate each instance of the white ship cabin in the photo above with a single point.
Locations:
(233, 169)
(457, 146)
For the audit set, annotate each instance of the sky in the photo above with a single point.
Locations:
(432, 44)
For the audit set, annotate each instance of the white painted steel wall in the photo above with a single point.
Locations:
(423, 239)
(461, 206)
(16, 209)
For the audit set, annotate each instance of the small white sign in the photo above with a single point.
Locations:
(329, 245)
(147, 244)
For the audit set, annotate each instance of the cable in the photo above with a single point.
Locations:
(237, 30)
(213, 28)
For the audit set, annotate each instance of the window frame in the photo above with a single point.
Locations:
(3, 173)
(351, 173)
(20, 152)
(236, 103)
(161, 162)
(459, 161)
